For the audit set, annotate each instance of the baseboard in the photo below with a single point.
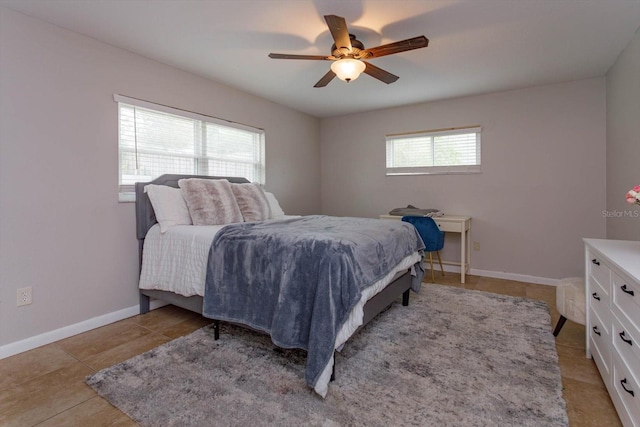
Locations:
(75, 329)
(503, 275)
(66, 332)
(514, 276)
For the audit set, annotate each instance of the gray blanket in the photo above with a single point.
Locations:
(298, 279)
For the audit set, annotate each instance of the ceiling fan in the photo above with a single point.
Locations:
(349, 54)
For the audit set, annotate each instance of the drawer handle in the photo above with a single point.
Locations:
(595, 296)
(623, 382)
(595, 331)
(595, 261)
(626, 291)
(622, 337)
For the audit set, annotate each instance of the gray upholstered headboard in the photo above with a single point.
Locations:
(145, 217)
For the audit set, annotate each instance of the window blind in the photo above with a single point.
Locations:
(434, 152)
(160, 140)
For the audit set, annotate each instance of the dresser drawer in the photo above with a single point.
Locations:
(603, 368)
(625, 393)
(626, 299)
(626, 341)
(600, 336)
(600, 272)
(599, 299)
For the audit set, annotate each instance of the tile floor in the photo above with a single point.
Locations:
(45, 386)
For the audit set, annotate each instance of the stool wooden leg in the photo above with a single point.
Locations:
(440, 261)
(433, 277)
(559, 325)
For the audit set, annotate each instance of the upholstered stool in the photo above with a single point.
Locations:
(570, 302)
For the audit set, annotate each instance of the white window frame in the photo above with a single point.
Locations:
(428, 167)
(126, 191)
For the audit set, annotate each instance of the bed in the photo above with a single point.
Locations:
(175, 262)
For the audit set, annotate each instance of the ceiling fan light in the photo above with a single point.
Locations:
(348, 69)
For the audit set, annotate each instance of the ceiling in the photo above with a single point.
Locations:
(475, 46)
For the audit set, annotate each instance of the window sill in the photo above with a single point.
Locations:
(433, 173)
(126, 197)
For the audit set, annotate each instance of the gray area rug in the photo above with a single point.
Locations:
(453, 357)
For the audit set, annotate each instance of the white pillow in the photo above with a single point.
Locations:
(276, 210)
(169, 206)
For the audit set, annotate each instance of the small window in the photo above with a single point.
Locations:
(442, 151)
(156, 139)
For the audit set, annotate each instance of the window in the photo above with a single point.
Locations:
(155, 139)
(440, 151)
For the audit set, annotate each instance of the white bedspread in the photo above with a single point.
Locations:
(176, 261)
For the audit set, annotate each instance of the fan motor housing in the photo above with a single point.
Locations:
(357, 50)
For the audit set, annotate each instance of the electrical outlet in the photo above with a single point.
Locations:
(476, 246)
(24, 296)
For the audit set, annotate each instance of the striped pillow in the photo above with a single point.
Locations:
(252, 202)
(210, 201)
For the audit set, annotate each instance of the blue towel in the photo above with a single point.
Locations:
(429, 231)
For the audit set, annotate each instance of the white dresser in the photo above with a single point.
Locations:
(612, 270)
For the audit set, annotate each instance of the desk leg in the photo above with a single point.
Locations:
(467, 266)
(463, 254)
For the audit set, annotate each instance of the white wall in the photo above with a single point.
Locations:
(62, 230)
(623, 142)
(541, 191)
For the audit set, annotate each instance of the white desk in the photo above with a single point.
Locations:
(453, 224)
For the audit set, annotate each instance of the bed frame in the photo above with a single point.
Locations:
(145, 219)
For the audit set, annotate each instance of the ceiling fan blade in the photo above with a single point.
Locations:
(325, 79)
(379, 73)
(287, 56)
(397, 47)
(338, 28)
